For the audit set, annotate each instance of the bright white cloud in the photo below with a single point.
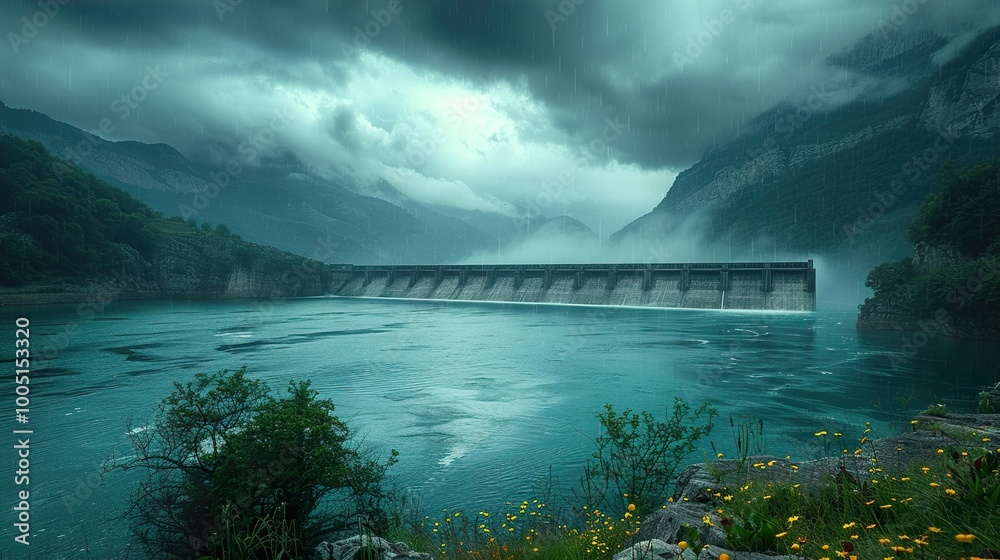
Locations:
(443, 141)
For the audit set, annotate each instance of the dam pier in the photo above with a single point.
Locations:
(775, 286)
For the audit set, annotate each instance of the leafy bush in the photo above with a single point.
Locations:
(988, 401)
(637, 456)
(936, 410)
(232, 471)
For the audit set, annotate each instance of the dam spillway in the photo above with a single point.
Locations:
(773, 286)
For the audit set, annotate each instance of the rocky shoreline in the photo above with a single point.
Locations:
(661, 531)
(887, 319)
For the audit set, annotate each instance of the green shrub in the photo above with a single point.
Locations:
(234, 472)
(637, 456)
(936, 410)
(988, 401)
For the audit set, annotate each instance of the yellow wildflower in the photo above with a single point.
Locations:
(966, 538)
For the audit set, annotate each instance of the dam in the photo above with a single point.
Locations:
(773, 286)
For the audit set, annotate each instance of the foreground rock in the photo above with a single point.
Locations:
(698, 482)
(696, 485)
(656, 549)
(669, 524)
(373, 547)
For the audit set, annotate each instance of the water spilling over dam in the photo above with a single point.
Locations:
(784, 286)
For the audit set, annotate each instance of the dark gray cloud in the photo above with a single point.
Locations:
(483, 102)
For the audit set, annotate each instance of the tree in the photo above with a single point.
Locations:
(62, 222)
(224, 457)
(637, 456)
(889, 277)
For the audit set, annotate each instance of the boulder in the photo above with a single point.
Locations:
(668, 524)
(699, 482)
(903, 450)
(713, 553)
(654, 549)
(351, 548)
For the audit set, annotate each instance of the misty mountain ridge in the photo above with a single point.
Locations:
(279, 203)
(801, 178)
(810, 175)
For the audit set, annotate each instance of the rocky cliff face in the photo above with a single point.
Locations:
(816, 175)
(927, 258)
(199, 266)
(888, 318)
(210, 266)
(969, 104)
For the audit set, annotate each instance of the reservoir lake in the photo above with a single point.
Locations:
(482, 401)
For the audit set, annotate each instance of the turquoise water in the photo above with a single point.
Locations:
(481, 400)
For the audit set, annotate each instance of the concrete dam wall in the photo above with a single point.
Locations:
(784, 286)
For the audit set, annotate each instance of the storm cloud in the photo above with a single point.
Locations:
(588, 108)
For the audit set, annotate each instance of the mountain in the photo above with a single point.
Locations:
(276, 205)
(68, 237)
(840, 171)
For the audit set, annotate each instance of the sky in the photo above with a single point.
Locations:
(586, 108)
